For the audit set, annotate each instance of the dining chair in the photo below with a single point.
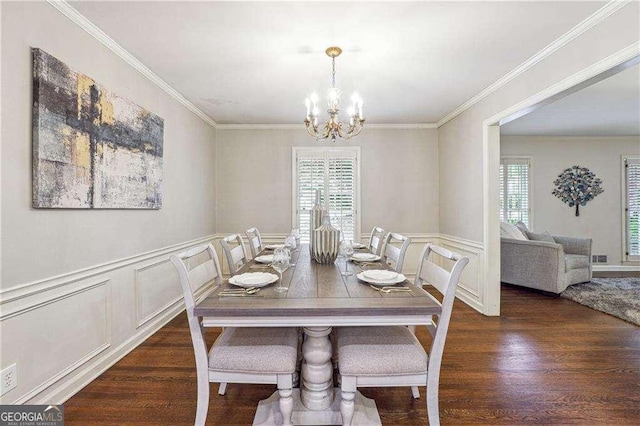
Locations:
(255, 241)
(393, 255)
(236, 256)
(239, 355)
(375, 240)
(393, 356)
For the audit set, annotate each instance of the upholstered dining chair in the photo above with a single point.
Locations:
(393, 255)
(376, 240)
(236, 256)
(255, 241)
(233, 356)
(394, 356)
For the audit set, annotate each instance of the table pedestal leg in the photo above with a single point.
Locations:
(317, 372)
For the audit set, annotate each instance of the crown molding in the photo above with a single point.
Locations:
(301, 126)
(80, 20)
(588, 23)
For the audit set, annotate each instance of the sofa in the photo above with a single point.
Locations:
(545, 262)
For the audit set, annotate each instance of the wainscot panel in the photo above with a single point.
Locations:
(64, 331)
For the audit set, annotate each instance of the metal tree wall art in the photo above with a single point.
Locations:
(576, 186)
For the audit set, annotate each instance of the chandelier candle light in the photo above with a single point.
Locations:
(333, 127)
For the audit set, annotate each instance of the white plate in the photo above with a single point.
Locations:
(400, 278)
(267, 258)
(358, 246)
(365, 257)
(253, 279)
(274, 246)
(380, 274)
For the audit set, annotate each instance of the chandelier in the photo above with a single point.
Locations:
(333, 128)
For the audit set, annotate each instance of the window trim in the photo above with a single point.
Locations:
(529, 159)
(623, 189)
(294, 182)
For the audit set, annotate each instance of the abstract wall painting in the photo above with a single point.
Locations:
(91, 148)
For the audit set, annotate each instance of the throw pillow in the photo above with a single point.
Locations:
(522, 227)
(508, 230)
(545, 236)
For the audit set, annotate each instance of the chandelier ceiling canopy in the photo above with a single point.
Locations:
(333, 128)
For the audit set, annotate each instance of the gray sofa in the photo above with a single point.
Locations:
(545, 265)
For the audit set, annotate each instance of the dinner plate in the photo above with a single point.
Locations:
(365, 257)
(274, 246)
(400, 278)
(253, 279)
(267, 258)
(380, 274)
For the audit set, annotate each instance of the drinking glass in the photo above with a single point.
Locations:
(280, 264)
(346, 248)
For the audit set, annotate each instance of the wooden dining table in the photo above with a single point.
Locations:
(318, 298)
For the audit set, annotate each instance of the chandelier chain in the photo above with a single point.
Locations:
(333, 72)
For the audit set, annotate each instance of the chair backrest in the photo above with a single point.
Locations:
(236, 256)
(375, 240)
(195, 268)
(255, 241)
(393, 255)
(446, 283)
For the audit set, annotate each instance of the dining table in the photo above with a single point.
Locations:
(319, 298)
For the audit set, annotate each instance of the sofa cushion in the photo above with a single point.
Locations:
(545, 236)
(508, 230)
(575, 261)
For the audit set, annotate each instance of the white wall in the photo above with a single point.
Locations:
(601, 218)
(461, 139)
(79, 287)
(399, 178)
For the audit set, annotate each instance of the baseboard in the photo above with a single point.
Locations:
(616, 268)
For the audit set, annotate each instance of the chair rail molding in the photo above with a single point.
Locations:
(40, 286)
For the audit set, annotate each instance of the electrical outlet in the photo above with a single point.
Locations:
(8, 379)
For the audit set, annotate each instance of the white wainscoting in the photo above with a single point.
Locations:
(64, 331)
(471, 288)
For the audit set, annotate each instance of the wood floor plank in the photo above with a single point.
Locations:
(546, 360)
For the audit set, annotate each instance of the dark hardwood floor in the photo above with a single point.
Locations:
(546, 360)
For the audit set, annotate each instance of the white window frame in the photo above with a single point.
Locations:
(529, 160)
(295, 219)
(635, 259)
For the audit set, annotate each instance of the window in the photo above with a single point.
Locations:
(334, 171)
(632, 208)
(515, 190)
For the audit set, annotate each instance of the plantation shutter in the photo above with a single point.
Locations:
(632, 173)
(334, 173)
(515, 194)
(342, 189)
(310, 176)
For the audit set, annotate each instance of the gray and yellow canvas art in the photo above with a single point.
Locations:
(91, 148)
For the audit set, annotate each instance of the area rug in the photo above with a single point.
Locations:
(619, 297)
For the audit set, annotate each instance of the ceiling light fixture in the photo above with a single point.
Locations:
(333, 127)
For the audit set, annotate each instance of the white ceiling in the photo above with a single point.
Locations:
(255, 62)
(610, 107)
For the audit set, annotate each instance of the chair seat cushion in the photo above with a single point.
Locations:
(379, 351)
(255, 350)
(575, 261)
